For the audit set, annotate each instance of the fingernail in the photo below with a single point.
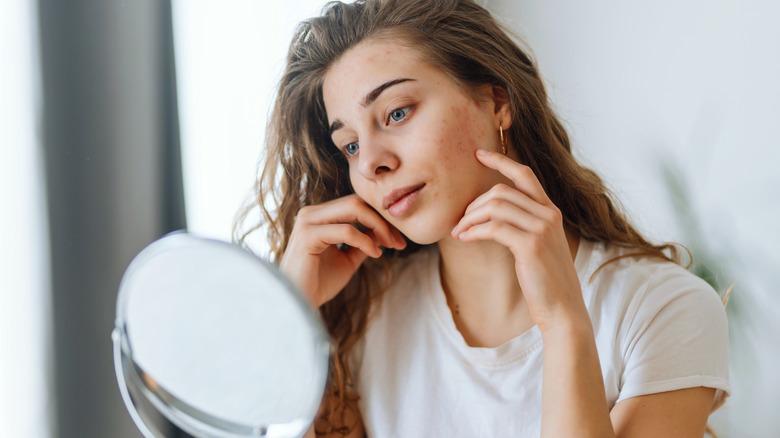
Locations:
(482, 152)
(462, 235)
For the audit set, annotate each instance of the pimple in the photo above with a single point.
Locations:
(448, 164)
(457, 111)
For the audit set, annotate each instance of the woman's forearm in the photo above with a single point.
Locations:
(573, 398)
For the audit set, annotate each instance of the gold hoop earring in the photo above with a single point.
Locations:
(503, 142)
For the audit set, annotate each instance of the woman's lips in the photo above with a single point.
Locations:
(399, 201)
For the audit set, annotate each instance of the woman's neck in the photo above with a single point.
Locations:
(482, 291)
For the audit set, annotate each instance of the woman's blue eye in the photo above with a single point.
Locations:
(352, 148)
(399, 114)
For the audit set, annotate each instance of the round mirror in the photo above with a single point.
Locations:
(212, 341)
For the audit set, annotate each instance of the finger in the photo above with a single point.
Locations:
(324, 236)
(355, 256)
(513, 195)
(502, 233)
(399, 238)
(522, 176)
(351, 209)
(500, 210)
(357, 211)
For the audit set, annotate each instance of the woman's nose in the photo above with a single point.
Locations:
(376, 157)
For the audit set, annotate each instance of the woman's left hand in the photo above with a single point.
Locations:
(525, 220)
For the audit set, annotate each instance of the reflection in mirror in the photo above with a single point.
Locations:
(211, 341)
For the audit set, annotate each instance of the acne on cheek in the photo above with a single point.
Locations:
(464, 135)
(447, 163)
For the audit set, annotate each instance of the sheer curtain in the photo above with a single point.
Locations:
(109, 131)
(25, 328)
(90, 174)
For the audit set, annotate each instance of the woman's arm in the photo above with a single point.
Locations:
(573, 397)
(526, 221)
(314, 261)
(681, 413)
(574, 404)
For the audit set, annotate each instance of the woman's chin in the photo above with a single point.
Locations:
(428, 236)
(422, 241)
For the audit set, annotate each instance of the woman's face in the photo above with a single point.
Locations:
(410, 135)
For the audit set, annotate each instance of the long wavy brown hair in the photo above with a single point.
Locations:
(302, 166)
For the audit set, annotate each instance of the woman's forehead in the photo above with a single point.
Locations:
(371, 58)
(363, 68)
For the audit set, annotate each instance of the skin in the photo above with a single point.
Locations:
(491, 219)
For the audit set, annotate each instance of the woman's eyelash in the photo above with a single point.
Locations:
(395, 116)
(351, 148)
(398, 115)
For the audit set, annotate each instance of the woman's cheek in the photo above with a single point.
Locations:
(359, 189)
(461, 142)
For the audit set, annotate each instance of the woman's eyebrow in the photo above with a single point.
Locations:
(374, 94)
(368, 100)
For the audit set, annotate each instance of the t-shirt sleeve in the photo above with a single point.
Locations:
(676, 339)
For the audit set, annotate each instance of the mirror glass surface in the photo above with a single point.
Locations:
(212, 341)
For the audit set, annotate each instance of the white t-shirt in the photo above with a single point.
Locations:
(657, 328)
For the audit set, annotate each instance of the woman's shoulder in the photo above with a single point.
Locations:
(626, 267)
(660, 326)
(644, 284)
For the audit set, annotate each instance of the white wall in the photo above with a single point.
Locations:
(694, 83)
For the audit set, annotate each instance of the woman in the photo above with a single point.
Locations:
(476, 280)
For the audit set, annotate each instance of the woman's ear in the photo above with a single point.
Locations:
(502, 109)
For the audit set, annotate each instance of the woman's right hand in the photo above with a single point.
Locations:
(312, 259)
